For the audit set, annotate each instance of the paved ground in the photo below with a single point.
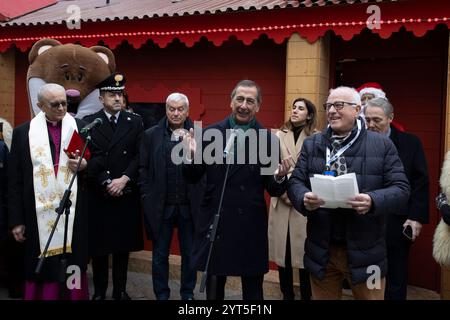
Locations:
(139, 287)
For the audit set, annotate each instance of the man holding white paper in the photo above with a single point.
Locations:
(335, 191)
(348, 242)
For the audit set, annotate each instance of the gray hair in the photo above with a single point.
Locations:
(352, 91)
(176, 96)
(382, 103)
(48, 87)
(249, 84)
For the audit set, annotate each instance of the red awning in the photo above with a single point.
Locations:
(13, 9)
(311, 23)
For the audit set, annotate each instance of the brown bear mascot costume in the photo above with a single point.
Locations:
(78, 69)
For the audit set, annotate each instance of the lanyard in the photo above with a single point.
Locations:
(332, 159)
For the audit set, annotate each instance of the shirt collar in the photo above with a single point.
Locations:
(108, 115)
(53, 123)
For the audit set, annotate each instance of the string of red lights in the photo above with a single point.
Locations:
(228, 30)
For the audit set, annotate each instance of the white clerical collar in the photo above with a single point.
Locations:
(52, 123)
(108, 115)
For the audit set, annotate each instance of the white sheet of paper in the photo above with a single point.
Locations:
(335, 191)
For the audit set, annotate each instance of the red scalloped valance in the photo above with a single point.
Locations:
(311, 23)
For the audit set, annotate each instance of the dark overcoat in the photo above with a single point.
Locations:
(115, 223)
(22, 209)
(3, 190)
(241, 247)
(153, 178)
(411, 153)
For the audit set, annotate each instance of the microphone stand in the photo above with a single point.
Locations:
(212, 233)
(64, 206)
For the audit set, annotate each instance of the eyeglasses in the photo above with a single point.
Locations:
(56, 104)
(338, 105)
(250, 101)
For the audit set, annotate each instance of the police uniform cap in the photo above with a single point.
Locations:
(114, 82)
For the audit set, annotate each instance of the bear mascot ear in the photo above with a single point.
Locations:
(107, 56)
(41, 46)
(78, 69)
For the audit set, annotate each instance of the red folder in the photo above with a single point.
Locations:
(76, 144)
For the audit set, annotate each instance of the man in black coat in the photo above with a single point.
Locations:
(379, 115)
(241, 246)
(115, 225)
(3, 188)
(38, 173)
(169, 201)
(11, 251)
(348, 243)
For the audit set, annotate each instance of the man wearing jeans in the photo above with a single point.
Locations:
(169, 201)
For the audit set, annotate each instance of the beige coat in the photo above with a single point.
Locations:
(281, 215)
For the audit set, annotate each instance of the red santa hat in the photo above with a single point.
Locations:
(372, 88)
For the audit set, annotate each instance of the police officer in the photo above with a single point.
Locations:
(115, 222)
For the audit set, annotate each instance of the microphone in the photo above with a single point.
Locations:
(97, 122)
(230, 143)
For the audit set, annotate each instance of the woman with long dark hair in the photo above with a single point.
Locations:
(287, 227)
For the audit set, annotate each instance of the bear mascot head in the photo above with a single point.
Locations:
(78, 69)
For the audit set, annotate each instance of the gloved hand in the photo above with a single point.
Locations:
(444, 208)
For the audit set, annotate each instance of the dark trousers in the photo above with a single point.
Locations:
(12, 254)
(287, 278)
(252, 287)
(100, 270)
(397, 258)
(161, 250)
(397, 274)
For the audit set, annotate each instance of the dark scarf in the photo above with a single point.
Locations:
(297, 130)
(337, 142)
(244, 127)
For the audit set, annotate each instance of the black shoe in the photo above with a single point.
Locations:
(121, 296)
(188, 298)
(98, 296)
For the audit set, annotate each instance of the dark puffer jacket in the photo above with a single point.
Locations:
(380, 174)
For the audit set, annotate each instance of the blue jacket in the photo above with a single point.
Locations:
(380, 174)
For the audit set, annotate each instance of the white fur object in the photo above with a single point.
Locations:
(376, 92)
(441, 244)
(444, 180)
(441, 238)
